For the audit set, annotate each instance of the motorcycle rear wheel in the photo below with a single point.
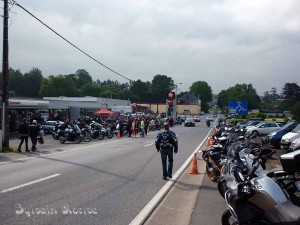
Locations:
(101, 136)
(228, 219)
(211, 174)
(77, 140)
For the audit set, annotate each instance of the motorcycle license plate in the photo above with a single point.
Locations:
(298, 185)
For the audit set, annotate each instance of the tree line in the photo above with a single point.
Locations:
(34, 85)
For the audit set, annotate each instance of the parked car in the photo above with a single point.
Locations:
(288, 138)
(275, 137)
(201, 113)
(189, 122)
(244, 122)
(48, 126)
(197, 118)
(263, 128)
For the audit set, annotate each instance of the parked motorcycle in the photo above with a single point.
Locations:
(86, 133)
(72, 134)
(105, 131)
(258, 200)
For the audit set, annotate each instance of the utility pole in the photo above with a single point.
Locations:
(5, 75)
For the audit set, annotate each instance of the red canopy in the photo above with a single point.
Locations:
(104, 112)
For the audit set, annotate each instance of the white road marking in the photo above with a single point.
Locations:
(29, 183)
(148, 145)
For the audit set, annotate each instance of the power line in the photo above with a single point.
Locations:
(17, 4)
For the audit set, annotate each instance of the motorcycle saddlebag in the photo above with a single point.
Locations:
(291, 161)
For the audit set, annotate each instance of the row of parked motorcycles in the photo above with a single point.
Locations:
(253, 194)
(94, 130)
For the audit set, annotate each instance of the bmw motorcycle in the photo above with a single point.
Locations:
(72, 134)
(258, 200)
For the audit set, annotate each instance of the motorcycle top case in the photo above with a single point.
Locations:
(291, 161)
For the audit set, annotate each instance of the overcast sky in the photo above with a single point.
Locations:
(222, 42)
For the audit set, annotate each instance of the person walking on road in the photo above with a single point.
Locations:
(34, 130)
(166, 142)
(23, 131)
(142, 126)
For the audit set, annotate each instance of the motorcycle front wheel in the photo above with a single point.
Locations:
(109, 135)
(77, 139)
(62, 140)
(88, 137)
(101, 136)
(211, 174)
(222, 186)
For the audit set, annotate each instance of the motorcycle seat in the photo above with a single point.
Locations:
(285, 212)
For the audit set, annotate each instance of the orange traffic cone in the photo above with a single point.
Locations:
(118, 135)
(208, 142)
(194, 166)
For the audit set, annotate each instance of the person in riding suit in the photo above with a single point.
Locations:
(165, 143)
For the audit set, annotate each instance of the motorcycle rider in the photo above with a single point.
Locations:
(165, 142)
(208, 122)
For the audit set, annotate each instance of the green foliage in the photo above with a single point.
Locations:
(240, 92)
(203, 90)
(260, 115)
(59, 86)
(161, 86)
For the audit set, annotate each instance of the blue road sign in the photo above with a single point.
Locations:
(239, 108)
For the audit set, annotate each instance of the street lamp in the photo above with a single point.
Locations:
(175, 102)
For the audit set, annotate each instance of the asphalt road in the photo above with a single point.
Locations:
(101, 182)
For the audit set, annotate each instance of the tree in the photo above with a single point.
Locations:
(161, 85)
(240, 92)
(141, 90)
(82, 78)
(203, 90)
(291, 92)
(91, 89)
(32, 83)
(59, 85)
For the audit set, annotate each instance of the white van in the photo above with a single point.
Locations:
(288, 138)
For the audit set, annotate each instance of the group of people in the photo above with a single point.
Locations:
(28, 130)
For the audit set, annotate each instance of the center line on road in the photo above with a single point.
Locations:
(29, 183)
(148, 145)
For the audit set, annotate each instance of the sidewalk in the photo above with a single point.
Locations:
(49, 146)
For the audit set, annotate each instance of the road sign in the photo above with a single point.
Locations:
(239, 108)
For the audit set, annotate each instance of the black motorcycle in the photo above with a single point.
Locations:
(72, 134)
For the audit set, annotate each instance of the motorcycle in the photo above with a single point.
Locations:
(86, 133)
(240, 155)
(72, 134)
(258, 200)
(208, 123)
(105, 131)
(213, 158)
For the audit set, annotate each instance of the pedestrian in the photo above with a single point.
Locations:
(129, 125)
(166, 142)
(23, 131)
(142, 126)
(34, 130)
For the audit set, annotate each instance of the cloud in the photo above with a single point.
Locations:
(222, 42)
